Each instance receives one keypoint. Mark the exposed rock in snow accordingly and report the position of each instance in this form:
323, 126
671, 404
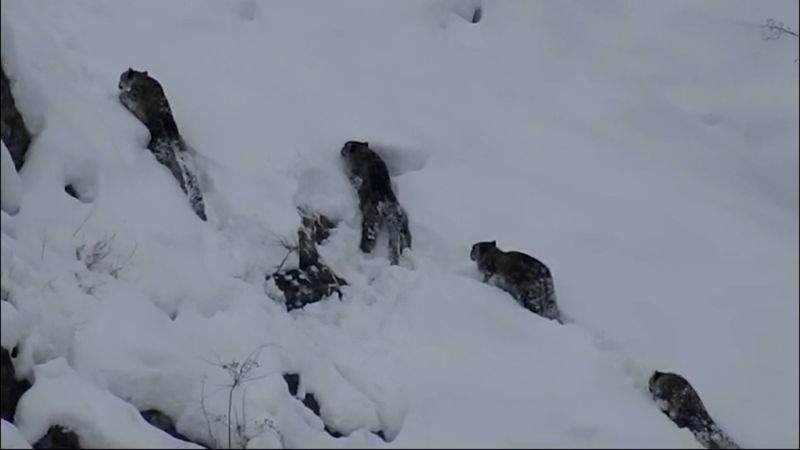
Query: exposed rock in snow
58, 437
11, 388
13, 131
312, 281
61, 398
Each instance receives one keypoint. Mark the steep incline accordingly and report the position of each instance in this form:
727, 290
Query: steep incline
647, 152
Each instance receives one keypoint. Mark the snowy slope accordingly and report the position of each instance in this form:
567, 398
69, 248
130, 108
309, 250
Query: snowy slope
646, 151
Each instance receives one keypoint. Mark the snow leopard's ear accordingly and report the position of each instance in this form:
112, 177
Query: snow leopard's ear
494, 243
145, 73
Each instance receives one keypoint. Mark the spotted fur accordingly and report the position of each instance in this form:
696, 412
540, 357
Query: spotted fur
378, 204
144, 97
679, 401
526, 278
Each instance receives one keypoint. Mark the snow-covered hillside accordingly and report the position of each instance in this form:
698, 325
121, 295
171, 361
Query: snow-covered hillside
646, 151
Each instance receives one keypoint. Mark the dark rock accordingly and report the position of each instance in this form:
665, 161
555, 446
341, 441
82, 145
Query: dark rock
307, 254
7, 382
333, 432
318, 226
293, 382
311, 403
58, 437
312, 281
302, 288
80, 191
70, 190
11, 389
477, 15
163, 422
13, 131
469, 10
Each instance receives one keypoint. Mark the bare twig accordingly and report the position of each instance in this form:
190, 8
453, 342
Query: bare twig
230, 403
91, 211
44, 244
290, 247
114, 272
243, 429
239, 373
205, 412
774, 30
94, 256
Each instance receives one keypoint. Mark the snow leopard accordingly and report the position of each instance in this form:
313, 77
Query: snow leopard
377, 201
681, 403
527, 279
144, 97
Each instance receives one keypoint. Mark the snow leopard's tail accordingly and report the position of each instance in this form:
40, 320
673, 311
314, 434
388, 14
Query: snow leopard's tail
550, 307
173, 154
396, 222
711, 436
192, 186
539, 296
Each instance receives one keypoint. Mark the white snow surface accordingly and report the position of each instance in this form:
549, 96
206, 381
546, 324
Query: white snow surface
10, 437
647, 152
10, 183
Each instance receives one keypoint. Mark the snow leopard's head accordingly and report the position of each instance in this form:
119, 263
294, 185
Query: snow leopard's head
129, 78
352, 149
482, 248
654, 384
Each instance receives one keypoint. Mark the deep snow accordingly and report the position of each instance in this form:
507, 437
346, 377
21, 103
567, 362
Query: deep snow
645, 151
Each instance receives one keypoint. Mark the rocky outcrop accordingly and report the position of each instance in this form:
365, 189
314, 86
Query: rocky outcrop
309, 400
58, 437
469, 10
11, 389
317, 225
13, 131
163, 422
292, 382
312, 281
